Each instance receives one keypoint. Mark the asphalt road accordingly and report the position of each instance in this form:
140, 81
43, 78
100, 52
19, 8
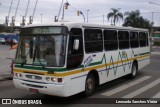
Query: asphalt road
145, 85
156, 49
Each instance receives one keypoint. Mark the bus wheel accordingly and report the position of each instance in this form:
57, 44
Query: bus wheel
89, 85
133, 71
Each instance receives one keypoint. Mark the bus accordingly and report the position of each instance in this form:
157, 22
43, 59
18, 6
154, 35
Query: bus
11, 37
2, 39
64, 59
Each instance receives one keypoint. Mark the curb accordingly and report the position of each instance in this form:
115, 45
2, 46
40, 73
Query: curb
5, 77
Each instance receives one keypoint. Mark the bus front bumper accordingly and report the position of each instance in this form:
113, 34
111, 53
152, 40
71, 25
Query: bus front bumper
45, 88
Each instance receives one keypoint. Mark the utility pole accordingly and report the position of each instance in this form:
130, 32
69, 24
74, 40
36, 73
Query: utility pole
153, 12
55, 19
23, 21
152, 18
6, 20
24, 17
103, 19
87, 15
152, 30
7, 17
32, 17
60, 10
82, 15
16, 9
14, 17
41, 17
13, 21
65, 6
27, 9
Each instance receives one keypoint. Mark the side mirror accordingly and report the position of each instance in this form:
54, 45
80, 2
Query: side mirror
76, 44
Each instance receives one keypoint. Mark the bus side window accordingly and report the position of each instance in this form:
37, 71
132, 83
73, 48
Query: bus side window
93, 40
123, 37
143, 39
75, 57
110, 40
134, 40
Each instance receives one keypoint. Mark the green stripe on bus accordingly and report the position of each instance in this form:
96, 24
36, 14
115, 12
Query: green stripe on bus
145, 53
40, 68
65, 69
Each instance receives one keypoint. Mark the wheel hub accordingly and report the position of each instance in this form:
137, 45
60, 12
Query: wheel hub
89, 84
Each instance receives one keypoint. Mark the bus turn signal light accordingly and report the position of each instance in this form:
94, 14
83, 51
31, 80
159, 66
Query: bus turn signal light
59, 79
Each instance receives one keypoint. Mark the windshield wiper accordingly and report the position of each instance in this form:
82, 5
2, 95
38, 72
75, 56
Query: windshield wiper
24, 61
43, 66
20, 61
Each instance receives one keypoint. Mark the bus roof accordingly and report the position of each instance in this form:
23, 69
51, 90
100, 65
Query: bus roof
85, 25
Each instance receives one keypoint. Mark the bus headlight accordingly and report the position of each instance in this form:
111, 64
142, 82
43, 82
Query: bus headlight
18, 75
47, 79
53, 79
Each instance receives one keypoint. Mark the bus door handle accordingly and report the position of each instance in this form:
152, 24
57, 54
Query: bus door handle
93, 55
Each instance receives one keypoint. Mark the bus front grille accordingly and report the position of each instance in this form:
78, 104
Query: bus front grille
34, 77
35, 86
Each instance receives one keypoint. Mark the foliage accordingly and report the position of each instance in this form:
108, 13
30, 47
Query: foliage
134, 19
156, 43
115, 15
6, 29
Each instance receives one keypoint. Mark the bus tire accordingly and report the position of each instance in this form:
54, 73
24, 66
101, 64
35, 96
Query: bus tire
133, 71
89, 85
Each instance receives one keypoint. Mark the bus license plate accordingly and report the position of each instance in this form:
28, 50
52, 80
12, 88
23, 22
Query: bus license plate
33, 90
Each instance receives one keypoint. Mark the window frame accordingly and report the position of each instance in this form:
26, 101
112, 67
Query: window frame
146, 39
115, 31
74, 54
132, 31
94, 41
123, 40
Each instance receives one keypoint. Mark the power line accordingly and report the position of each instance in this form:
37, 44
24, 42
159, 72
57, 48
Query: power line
150, 12
10, 8
16, 9
34, 9
59, 12
154, 3
27, 8
96, 16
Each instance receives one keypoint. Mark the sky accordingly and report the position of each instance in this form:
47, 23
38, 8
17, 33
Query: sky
98, 9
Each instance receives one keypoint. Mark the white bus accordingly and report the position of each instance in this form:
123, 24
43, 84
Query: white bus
64, 59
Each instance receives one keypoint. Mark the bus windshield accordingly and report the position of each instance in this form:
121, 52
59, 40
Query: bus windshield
42, 49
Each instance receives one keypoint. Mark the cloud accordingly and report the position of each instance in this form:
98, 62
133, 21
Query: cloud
50, 8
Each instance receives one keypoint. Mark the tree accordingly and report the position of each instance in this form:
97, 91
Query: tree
8, 29
115, 15
134, 19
